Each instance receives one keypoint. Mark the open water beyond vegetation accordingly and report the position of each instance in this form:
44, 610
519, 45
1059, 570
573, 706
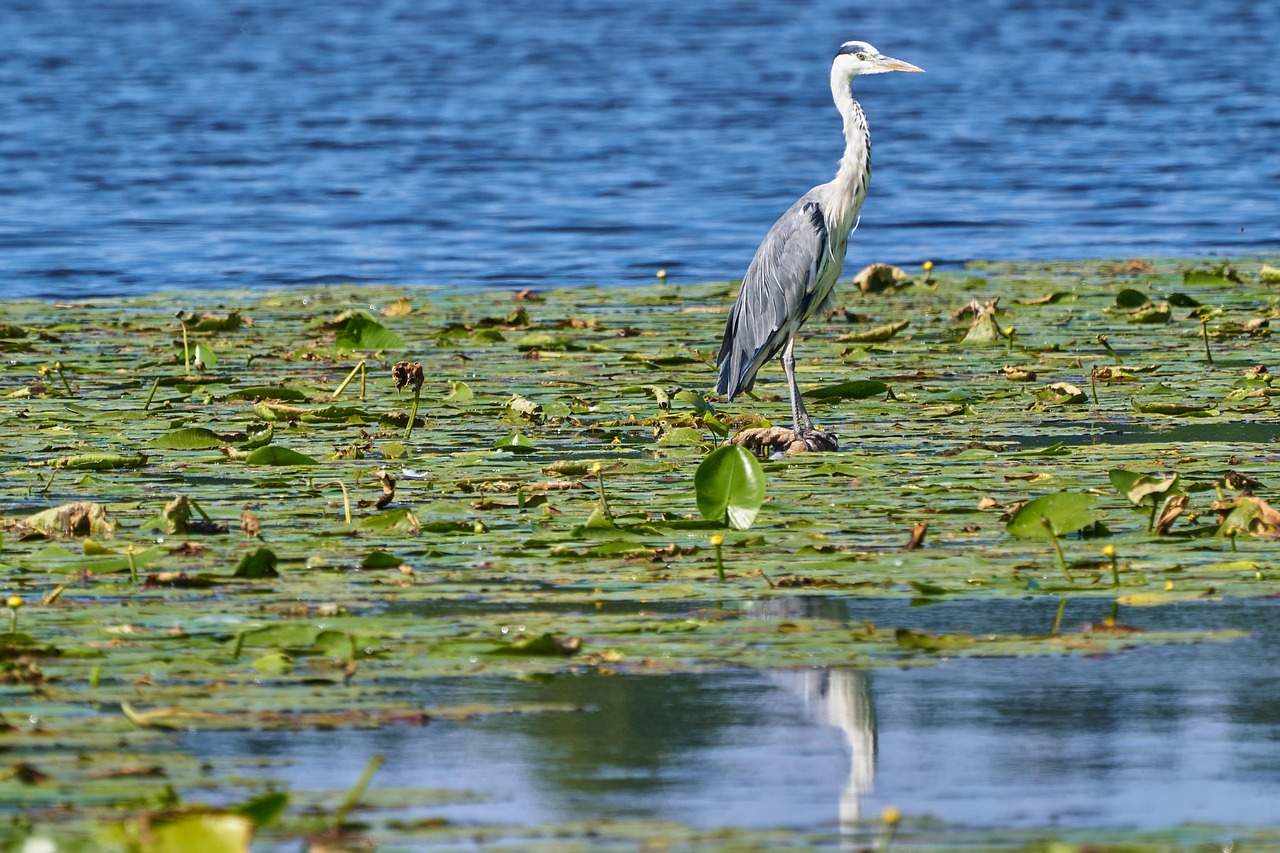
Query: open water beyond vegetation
184, 144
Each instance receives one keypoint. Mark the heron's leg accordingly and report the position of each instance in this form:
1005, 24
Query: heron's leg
799, 416
812, 439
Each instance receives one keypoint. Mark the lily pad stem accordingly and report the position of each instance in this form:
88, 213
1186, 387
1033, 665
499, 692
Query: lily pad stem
1204, 330
1102, 339
152, 395
133, 564
604, 499
1057, 617
346, 499
359, 368
1057, 549
354, 795
57, 365
413, 412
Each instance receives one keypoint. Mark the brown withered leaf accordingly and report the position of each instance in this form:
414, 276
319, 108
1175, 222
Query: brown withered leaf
407, 373
188, 549
154, 770
1172, 509
918, 531
1129, 268
576, 323
1242, 483
876, 277
802, 582
28, 774
388, 488
249, 524
847, 315
402, 307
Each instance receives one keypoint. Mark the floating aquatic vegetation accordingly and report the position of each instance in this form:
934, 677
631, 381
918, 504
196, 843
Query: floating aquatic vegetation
560, 502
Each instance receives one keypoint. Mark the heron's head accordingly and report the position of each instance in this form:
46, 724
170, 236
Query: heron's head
858, 57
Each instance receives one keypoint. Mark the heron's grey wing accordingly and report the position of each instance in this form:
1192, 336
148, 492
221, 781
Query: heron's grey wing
778, 292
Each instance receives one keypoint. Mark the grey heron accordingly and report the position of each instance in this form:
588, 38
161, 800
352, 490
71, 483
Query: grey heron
796, 267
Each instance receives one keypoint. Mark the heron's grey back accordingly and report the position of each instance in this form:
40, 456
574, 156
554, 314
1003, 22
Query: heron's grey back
788, 279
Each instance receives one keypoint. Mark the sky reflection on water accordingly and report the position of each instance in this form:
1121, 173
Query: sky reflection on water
1146, 739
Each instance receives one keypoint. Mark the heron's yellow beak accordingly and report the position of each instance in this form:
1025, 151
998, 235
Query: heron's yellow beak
888, 63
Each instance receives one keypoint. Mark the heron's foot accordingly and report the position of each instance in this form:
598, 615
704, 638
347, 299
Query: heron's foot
768, 441
813, 440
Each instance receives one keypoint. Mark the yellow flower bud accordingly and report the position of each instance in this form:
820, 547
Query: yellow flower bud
927, 266
891, 815
717, 540
1109, 551
13, 602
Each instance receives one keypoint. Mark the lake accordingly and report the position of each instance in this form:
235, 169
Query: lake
188, 145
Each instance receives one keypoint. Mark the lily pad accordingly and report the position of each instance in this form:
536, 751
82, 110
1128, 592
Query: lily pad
730, 486
1053, 515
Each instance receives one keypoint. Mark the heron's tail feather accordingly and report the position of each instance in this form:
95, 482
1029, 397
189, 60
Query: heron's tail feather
741, 356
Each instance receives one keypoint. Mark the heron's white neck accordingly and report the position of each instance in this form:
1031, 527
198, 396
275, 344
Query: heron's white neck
849, 187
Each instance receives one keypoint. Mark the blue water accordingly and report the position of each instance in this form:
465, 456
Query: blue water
1147, 739
159, 144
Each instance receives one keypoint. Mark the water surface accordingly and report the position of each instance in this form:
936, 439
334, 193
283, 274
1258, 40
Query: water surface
1148, 739
152, 145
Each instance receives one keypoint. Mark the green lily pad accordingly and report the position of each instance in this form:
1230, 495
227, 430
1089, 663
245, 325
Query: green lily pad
730, 487
1053, 515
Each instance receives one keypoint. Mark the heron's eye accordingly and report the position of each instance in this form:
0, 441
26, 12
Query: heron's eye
863, 57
